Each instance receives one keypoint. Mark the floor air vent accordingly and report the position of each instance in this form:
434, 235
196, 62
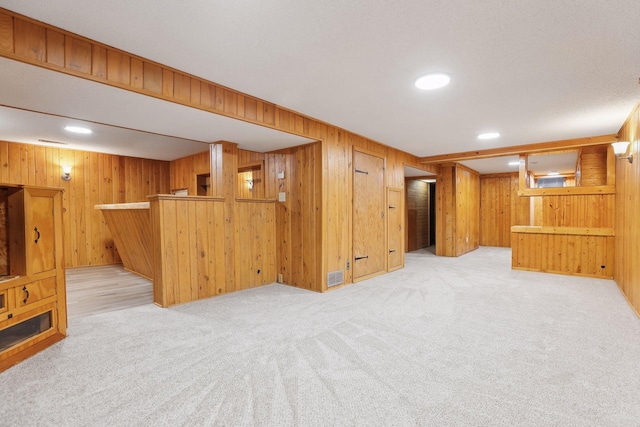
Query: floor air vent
335, 278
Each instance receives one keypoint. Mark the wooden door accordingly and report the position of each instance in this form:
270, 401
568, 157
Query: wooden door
395, 256
40, 234
369, 244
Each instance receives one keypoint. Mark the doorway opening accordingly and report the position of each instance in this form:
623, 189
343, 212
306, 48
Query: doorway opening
420, 215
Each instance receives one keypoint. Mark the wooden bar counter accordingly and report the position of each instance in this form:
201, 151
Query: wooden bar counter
578, 251
130, 226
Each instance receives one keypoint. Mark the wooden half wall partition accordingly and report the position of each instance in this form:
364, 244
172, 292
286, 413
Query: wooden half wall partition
190, 252
577, 251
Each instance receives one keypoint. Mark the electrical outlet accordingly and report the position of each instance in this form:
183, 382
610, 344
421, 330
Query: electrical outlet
282, 196
281, 175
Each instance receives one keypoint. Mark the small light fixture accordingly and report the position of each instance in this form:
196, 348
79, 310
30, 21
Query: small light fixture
620, 149
515, 163
250, 184
489, 135
66, 173
429, 180
432, 81
78, 129
553, 173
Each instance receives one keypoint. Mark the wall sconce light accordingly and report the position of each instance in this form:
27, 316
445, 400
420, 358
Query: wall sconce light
250, 184
66, 173
620, 149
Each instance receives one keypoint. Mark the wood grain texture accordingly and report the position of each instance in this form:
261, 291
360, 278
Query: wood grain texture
187, 242
131, 232
564, 253
36, 255
467, 210
4, 238
418, 206
256, 236
627, 226
184, 171
369, 225
501, 208
458, 210
395, 229
95, 179
593, 165
102, 289
190, 247
594, 211
298, 218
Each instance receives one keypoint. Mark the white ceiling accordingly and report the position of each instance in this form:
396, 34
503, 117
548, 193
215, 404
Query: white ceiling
413, 172
493, 164
534, 71
563, 163
169, 130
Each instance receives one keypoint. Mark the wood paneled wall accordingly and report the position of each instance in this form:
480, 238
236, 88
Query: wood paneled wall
95, 179
256, 242
417, 202
4, 245
467, 210
593, 165
298, 219
627, 211
189, 250
33, 42
574, 251
582, 210
184, 171
458, 210
501, 208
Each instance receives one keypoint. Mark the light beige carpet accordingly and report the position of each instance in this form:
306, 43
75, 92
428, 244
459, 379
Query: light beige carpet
445, 341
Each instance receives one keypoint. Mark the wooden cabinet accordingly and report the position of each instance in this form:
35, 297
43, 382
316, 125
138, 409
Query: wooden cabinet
33, 311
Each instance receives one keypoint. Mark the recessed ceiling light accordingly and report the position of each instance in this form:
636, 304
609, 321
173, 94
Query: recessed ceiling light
489, 135
77, 129
516, 163
432, 81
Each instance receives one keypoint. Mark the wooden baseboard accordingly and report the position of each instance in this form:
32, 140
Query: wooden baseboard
29, 351
627, 299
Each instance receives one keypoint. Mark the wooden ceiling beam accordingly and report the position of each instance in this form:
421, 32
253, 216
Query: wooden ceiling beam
521, 149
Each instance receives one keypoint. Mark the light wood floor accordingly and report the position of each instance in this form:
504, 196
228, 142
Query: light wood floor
92, 290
